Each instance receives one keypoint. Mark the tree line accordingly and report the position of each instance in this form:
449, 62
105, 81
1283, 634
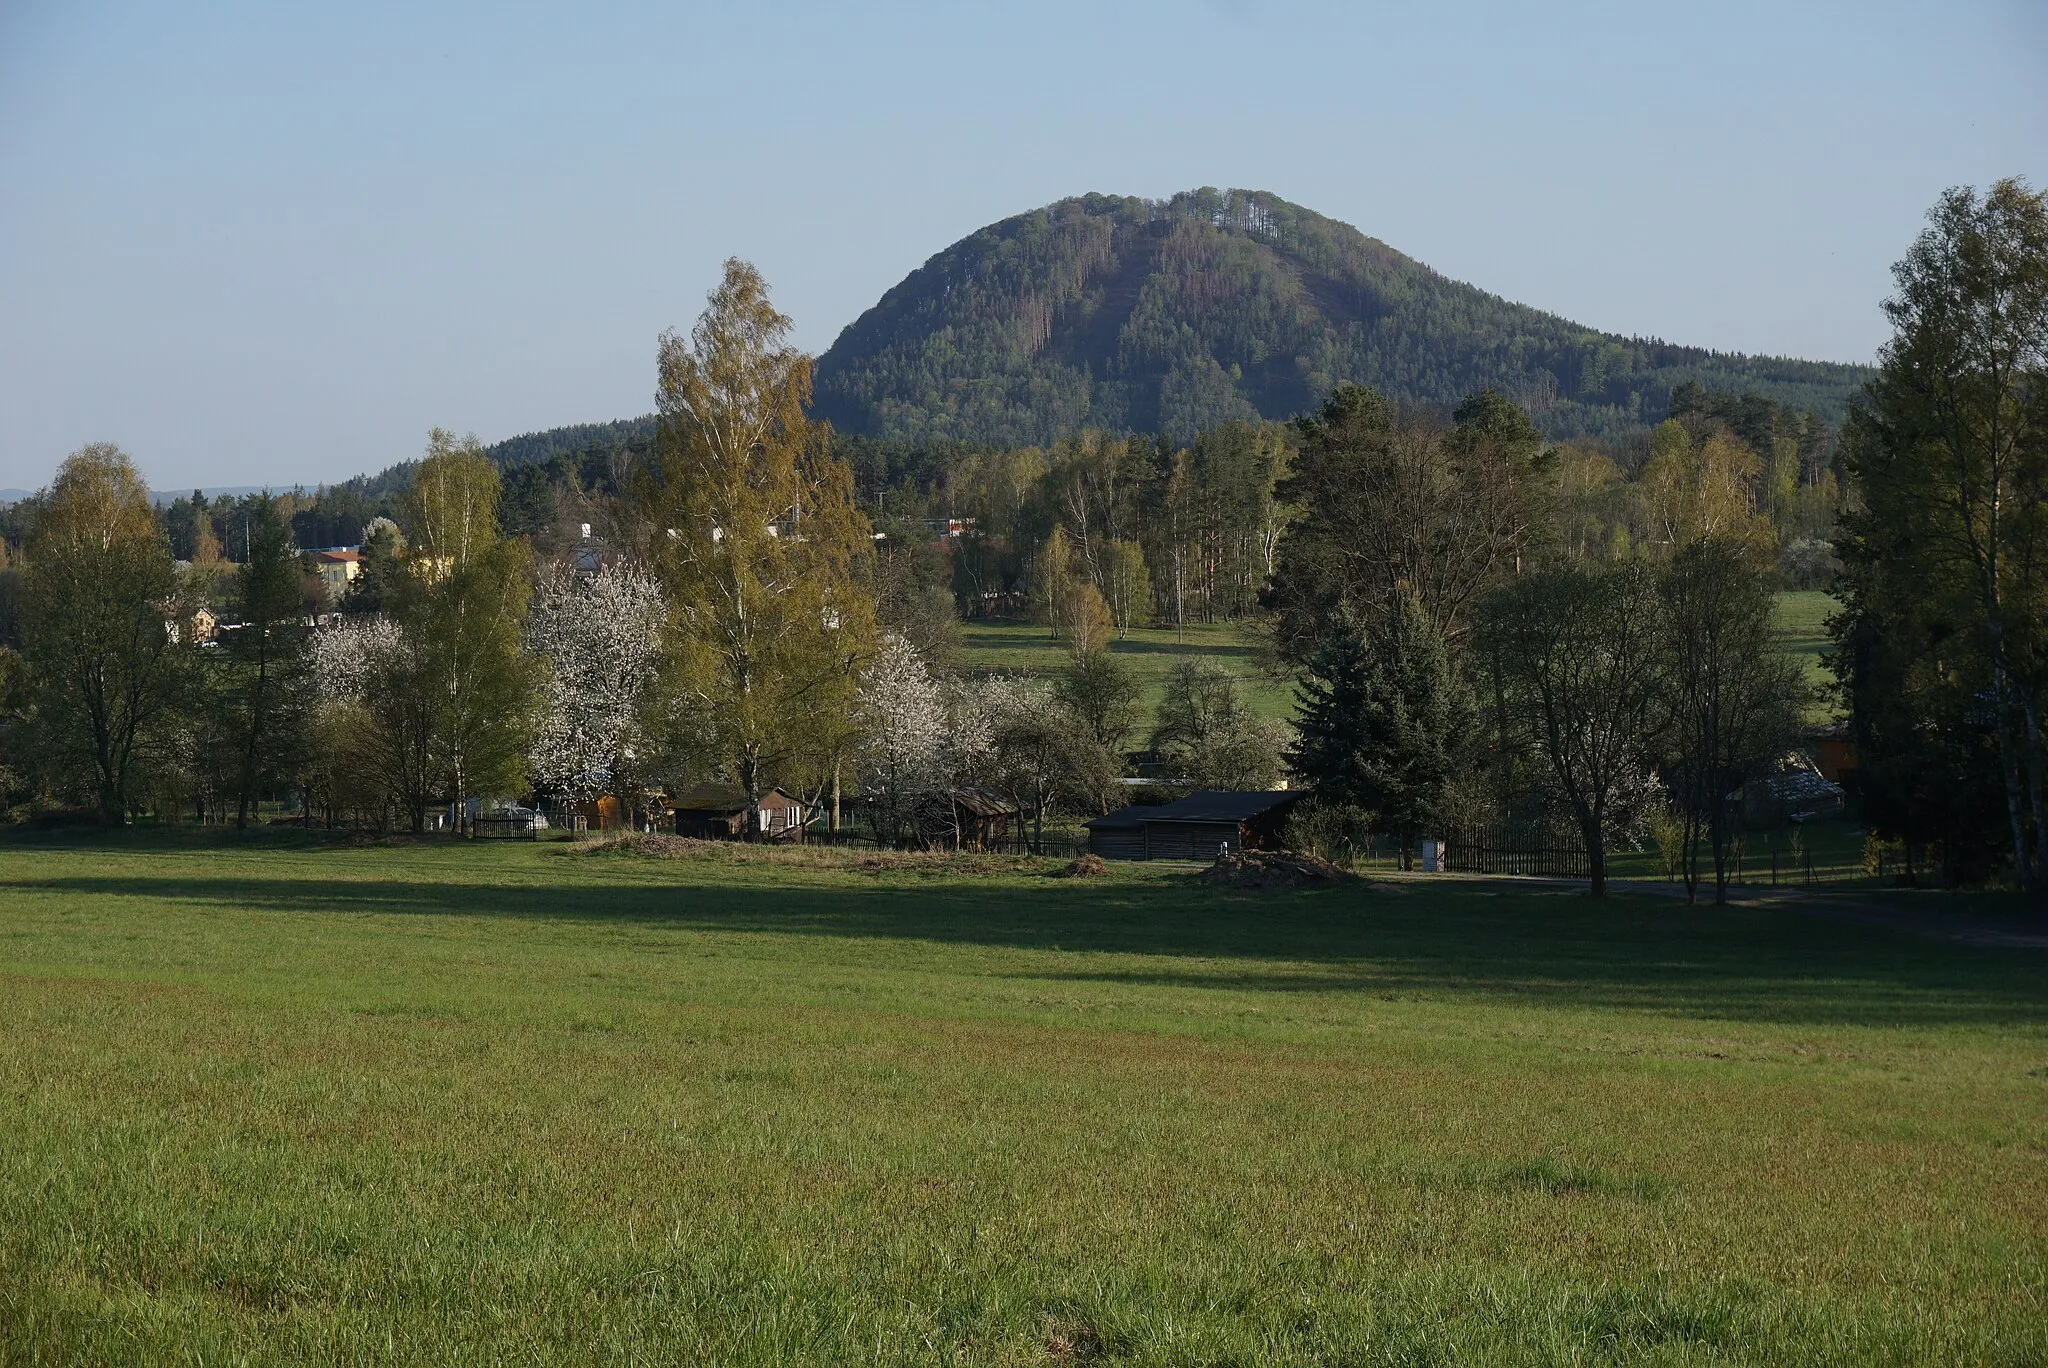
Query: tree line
1486, 626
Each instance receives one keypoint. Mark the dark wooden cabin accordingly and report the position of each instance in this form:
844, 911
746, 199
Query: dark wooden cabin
1195, 827
720, 812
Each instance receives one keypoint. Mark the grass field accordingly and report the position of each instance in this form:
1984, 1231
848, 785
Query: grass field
1016, 647
1151, 652
446, 1104
1802, 619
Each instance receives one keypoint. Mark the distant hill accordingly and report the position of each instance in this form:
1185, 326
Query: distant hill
1173, 316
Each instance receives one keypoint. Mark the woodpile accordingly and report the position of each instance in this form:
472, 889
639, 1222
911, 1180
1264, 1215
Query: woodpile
1272, 869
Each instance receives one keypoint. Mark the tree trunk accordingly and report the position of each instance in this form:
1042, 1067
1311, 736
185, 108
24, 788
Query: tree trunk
1590, 824
1718, 834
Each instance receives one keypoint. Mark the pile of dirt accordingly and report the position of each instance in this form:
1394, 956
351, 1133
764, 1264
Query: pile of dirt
1272, 869
1086, 867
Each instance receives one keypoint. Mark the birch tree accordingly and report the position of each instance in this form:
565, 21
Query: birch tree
753, 534
1946, 564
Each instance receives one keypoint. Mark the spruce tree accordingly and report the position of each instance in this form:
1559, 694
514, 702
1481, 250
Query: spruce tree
1382, 719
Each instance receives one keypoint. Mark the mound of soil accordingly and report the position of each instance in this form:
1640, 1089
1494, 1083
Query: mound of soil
1272, 869
1087, 866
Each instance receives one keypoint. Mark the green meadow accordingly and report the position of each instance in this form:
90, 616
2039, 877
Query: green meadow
280, 1102
1151, 652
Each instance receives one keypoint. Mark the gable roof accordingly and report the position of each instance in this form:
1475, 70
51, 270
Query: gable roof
721, 798
1215, 805
981, 802
1123, 819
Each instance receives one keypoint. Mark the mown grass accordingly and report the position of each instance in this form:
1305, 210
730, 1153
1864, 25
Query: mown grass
281, 1102
1150, 652
1801, 620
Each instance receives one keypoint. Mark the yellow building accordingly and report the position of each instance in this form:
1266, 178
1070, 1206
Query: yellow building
338, 569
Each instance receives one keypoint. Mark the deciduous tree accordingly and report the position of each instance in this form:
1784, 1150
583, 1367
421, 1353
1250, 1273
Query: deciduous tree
753, 533
100, 629
1946, 564
1577, 672
1733, 699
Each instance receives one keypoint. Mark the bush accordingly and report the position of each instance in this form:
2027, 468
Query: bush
1336, 832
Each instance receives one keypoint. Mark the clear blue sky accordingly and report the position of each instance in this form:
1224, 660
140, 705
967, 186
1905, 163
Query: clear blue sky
278, 242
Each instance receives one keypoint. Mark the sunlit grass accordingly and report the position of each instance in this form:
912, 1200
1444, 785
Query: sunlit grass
1150, 652
1801, 621
460, 1104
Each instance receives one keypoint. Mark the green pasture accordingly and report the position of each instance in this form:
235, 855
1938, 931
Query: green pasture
280, 1102
1151, 653
1019, 647
1802, 622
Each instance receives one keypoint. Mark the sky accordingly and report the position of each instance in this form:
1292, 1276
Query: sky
274, 244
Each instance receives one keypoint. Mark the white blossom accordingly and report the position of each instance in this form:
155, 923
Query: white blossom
344, 654
906, 735
601, 635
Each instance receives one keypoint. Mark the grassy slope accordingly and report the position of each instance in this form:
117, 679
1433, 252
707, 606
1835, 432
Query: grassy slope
1802, 618
1015, 647
1152, 652
477, 1105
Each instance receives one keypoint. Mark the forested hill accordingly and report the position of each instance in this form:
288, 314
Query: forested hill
1174, 316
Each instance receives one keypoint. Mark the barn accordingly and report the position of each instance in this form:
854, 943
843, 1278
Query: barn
1195, 827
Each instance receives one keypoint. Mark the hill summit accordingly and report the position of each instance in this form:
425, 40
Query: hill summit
1175, 315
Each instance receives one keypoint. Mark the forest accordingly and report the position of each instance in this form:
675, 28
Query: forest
1485, 623
1121, 314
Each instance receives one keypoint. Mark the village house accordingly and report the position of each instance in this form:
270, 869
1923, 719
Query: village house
338, 567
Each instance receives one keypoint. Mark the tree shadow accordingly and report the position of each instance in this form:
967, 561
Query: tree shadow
1554, 951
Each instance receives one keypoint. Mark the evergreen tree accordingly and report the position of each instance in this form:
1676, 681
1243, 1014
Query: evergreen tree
1382, 720
262, 679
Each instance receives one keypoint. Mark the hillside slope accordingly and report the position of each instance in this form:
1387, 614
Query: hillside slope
1144, 315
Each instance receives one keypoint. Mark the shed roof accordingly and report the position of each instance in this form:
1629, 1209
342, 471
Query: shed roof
1215, 805
1122, 819
982, 802
724, 798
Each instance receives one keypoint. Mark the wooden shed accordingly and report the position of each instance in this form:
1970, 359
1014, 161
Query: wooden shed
968, 819
721, 812
1119, 835
1195, 827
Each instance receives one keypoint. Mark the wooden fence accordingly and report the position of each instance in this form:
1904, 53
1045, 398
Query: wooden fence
1514, 850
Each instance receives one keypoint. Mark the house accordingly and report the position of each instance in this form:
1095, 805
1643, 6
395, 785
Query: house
968, 819
338, 567
205, 625
720, 812
1833, 751
1195, 827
